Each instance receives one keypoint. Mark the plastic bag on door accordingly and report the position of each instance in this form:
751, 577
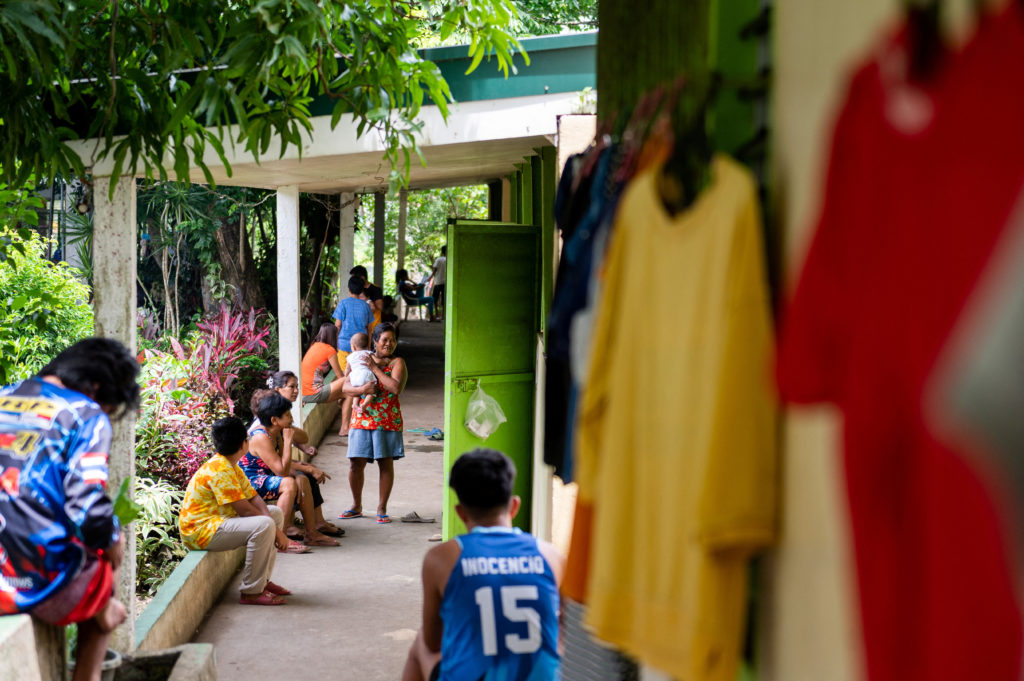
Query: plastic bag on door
483, 414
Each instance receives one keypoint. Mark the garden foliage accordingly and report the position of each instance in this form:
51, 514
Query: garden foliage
205, 377
44, 307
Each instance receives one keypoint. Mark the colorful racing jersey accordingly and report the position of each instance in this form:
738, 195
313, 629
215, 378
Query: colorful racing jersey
54, 444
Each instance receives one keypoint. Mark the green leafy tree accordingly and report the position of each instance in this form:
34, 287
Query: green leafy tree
425, 232
152, 79
44, 308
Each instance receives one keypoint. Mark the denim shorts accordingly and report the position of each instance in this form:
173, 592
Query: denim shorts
375, 444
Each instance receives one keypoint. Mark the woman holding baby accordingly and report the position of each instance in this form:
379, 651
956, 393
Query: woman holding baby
375, 431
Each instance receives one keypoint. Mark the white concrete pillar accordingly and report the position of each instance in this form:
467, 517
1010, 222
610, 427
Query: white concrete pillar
289, 297
349, 204
403, 214
114, 274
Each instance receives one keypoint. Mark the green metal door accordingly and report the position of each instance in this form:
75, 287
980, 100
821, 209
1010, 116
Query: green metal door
492, 321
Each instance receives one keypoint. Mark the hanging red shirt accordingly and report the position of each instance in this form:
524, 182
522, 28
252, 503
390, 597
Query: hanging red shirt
920, 184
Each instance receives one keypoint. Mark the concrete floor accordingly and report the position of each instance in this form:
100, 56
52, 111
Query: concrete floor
355, 608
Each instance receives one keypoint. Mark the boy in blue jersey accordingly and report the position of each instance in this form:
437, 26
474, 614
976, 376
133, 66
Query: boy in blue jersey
490, 597
60, 543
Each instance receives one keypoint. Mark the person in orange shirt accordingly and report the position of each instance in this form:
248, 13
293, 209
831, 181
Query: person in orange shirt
222, 511
322, 355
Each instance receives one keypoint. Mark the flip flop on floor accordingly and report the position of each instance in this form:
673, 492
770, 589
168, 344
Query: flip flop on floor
265, 598
350, 513
294, 547
383, 519
331, 530
295, 534
414, 517
277, 589
323, 541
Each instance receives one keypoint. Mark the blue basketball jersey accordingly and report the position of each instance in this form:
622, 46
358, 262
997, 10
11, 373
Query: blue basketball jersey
500, 610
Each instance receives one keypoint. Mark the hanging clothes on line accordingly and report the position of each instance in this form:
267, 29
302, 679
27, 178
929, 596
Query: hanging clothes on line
923, 176
677, 428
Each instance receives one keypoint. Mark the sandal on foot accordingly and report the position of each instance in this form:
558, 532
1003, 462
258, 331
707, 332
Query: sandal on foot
351, 513
265, 598
294, 533
331, 530
294, 547
322, 541
383, 519
277, 589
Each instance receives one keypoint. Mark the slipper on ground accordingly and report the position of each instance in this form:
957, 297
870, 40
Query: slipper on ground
265, 598
323, 541
277, 589
350, 514
383, 519
294, 547
414, 517
436, 537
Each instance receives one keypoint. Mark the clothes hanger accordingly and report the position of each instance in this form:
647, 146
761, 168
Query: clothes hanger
924, 33
687, 170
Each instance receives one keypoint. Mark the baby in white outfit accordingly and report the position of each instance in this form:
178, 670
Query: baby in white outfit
358, 373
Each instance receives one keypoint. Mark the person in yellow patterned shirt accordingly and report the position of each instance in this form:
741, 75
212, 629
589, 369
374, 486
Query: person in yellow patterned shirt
222, 511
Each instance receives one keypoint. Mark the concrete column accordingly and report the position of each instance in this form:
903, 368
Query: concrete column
346, 261
114, 274
506, 200
403, 214
289, 297
379, 206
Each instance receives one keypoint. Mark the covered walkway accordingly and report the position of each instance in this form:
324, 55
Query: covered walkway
355, 608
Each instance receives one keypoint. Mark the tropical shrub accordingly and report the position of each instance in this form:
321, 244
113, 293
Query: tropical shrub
158, 547
43, 307
185, 390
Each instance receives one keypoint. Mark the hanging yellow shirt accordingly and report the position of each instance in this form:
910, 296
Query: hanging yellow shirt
215, 486
677, 428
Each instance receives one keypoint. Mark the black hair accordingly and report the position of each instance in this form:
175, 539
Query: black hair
444, 250
228, 434
355, 285
101, 368
380, 329
401, 275
483, 479
328, 333
359, 271
254, 401
279, 379
270, 407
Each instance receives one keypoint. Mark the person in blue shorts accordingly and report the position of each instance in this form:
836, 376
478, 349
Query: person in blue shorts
61, 545
352, 315
490, 596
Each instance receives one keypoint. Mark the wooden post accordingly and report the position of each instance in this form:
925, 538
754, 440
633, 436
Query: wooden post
346, 260
378, 238
114, 273
403, 214
667, 39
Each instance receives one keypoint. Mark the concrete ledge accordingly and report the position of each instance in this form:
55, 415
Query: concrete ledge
190, 662
173, 616
317, 418
18, 649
